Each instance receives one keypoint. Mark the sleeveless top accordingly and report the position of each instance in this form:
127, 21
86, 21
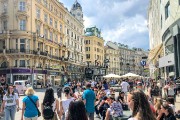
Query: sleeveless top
65, 103
54, 105
171, 90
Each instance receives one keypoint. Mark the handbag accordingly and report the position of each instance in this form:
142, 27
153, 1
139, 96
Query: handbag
39, 113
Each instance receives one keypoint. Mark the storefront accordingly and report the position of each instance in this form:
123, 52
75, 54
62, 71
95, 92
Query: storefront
39, 78
53, 77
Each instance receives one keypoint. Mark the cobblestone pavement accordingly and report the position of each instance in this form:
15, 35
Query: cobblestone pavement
40, 94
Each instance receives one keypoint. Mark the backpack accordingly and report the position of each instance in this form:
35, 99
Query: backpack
48, 112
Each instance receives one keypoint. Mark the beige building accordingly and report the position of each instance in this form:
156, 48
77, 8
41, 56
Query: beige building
74, 41
123, 59
33, 40
112, 54
166, 57
94, 47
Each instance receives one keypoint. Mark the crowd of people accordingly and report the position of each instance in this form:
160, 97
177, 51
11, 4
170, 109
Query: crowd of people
148, 100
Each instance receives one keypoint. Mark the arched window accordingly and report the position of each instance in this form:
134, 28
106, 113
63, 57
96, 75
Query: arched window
4, 65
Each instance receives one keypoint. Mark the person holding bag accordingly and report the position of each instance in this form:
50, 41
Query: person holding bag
50, 105
30, 105
10, 101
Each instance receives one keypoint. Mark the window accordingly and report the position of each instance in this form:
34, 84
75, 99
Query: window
22, 24
56, 52
22, 6
67, 31
167, 10
71, 34
87, 56
16, 44
22, 45
28, 62
56, 38
5, 25
38, 12
15, 63
60, 27
51, 36
45, 18
38, 29
55, 24
46, 33
50, 21
61, 39
179, 2
22, 63
5, 8
45, 3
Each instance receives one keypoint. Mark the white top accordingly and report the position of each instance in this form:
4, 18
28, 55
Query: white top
11, 99
65, 104
132, 119
54, 105
124, 86
171, 90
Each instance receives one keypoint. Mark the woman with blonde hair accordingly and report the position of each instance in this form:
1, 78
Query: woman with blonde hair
138, 103
30, 105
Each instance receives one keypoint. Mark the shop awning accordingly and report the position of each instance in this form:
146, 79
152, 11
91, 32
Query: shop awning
154, 52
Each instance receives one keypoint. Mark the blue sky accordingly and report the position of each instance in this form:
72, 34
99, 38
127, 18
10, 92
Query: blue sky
121, 21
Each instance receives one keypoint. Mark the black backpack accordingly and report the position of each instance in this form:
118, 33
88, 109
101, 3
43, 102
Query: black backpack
48, 112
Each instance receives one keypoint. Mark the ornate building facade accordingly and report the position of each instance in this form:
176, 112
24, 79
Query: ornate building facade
33, 41
123, 59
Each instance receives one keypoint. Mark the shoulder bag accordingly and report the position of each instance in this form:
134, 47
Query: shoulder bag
39, 113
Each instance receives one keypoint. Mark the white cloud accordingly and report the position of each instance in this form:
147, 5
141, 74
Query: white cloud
122, 21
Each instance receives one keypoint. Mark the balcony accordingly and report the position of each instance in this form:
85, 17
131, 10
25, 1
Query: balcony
22, 14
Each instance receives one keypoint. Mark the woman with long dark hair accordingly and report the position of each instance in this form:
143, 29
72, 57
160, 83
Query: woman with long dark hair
140, 106
10, 103
50, 105
76, 111
168, 112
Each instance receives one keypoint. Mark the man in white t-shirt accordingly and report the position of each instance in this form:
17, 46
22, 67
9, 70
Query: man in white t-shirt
125, 88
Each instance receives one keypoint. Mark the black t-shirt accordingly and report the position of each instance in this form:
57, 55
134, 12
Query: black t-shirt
170, 117
120, 98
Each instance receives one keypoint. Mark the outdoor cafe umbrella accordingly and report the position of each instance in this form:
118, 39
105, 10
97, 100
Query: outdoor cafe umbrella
130, 75
111, 76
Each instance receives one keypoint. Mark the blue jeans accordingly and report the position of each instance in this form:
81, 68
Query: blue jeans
10, 112
90, 116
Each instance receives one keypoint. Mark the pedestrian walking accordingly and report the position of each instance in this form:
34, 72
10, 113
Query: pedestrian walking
30, 105
10, 103
64, 103
89, 100
50, 105
77, 111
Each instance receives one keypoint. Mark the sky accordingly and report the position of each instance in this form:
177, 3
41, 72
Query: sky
121, 21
